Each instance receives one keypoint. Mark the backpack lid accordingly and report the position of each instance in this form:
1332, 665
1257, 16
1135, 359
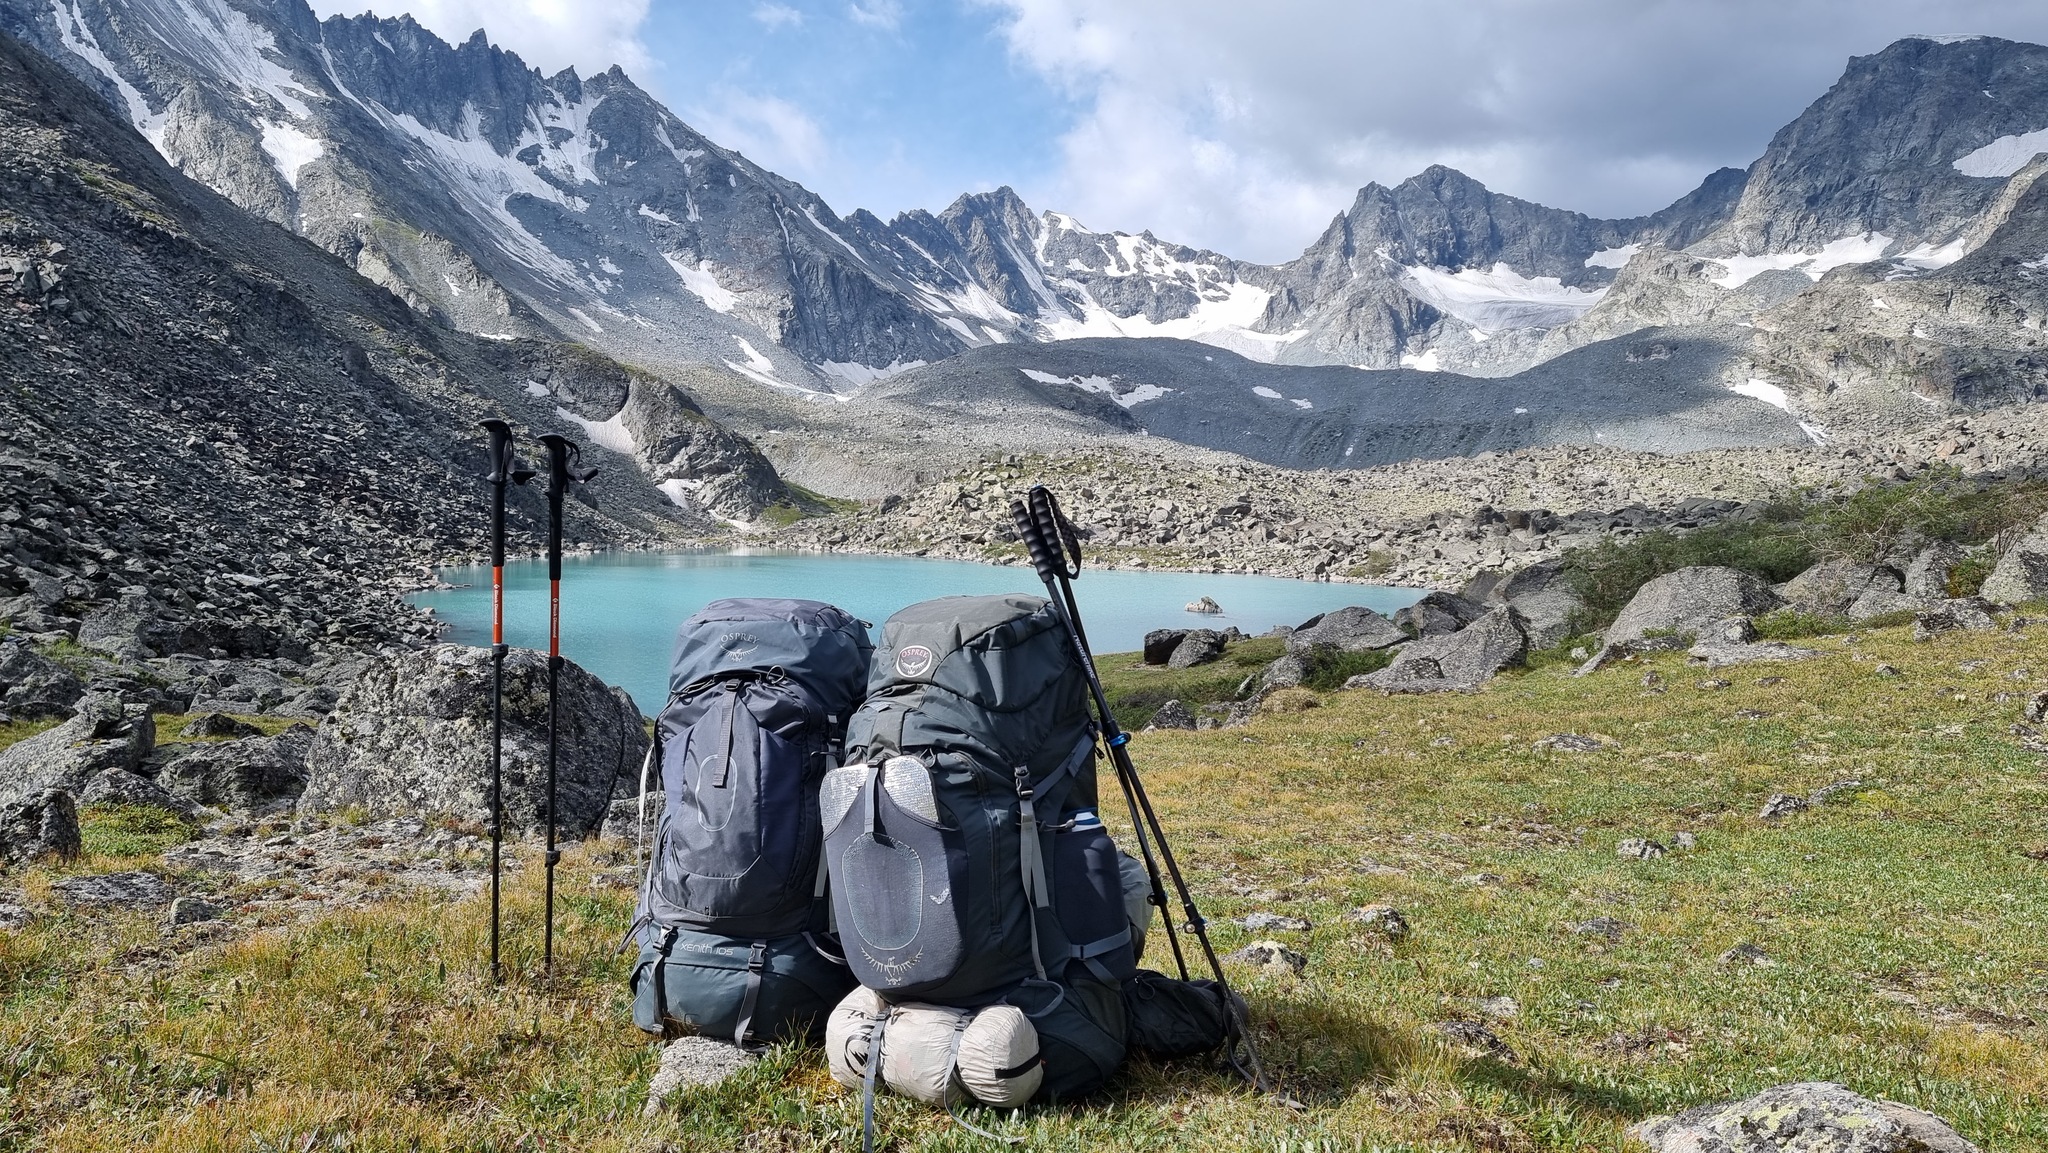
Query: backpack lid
819, 646
995, 650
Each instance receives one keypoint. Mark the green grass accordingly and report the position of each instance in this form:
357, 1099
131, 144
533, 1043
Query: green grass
170, 727
1907, 919
1136, 690
130, 830
805, 504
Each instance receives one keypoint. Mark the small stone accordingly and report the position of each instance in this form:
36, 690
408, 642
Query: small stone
1173, 715
1767, 682
1713, 684
1571, 743
1267, 922
14, 916
1272, 956
1475, 1036
692, 1063
1827, 792
1751, 714
1385, 920
1638, 849
1783, 805
1500, 1008
1746, 954
1611, 928
1889, 671
2037, 709
1685, 841
192, 910
1482, 880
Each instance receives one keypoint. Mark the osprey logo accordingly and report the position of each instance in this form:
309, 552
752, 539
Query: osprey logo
893, 971
738, 645
914, 661
939, 898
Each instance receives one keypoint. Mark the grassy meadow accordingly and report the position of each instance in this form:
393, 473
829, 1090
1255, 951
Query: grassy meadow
1904, 921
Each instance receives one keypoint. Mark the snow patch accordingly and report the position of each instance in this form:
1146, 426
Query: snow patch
1613, 257
1880, 304
72, 30
1760, 389
1859, 249
651, 214
1927, 257
612, 434
605, 262
703, 284
1814, 433
1427, 362
755, 360
1302, 403
1269, 394
1500, 299
536, 388
591, 324
859, 375
1224, 318
1128, 398
485, 182
2004, 156
289, 149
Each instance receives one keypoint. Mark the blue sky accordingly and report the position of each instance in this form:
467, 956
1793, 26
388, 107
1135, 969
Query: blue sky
1238, 125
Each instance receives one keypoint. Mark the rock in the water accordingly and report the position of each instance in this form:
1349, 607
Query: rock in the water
250, 775
121, 787
193, 910
219, 725
1463, 661
1272, 956
1542, 593
104, 734
1629, 650
1967, 615
1830, 587
1927, 577
122, 890
413, 736
1268, 922
693, 1063
1638, 849
1204, 605
1475, 1036
1160, 643
1811, 1117
1199, 647
1173, 715
2022, 573
33, 686
1385, 920
1438, 614
1351, 630
1782, 805
45, 826
1691, 599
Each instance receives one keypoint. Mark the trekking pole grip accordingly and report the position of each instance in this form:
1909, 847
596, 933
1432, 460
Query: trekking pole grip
1034, 542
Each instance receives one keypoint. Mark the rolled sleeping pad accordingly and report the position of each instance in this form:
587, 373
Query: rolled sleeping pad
995, 1055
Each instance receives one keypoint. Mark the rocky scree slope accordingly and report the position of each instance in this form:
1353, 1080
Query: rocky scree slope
213, 434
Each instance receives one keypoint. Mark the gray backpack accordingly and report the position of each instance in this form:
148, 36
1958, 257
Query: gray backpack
967, 862
732, 918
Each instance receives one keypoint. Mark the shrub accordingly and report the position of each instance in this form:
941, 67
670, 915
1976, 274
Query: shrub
1791, 624
1968, 577
1883, 520
1329, 667
1608, 575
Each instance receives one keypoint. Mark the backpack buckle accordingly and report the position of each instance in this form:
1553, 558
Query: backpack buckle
1023, 775
757, 957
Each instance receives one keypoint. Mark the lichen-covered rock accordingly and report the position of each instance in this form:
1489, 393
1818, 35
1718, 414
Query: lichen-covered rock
413, 737
1459, 662
2022, 573
1353, 630
1690, 600
1199, 647
103, 734
1967, 615
1173, 715
1830, 587
45, 826
121, 787
33, 686
248, 775
1438, 614
1620, 651
692, 1063
134, 890
1927, 577
1542, 593
1809, 1117
1160, 643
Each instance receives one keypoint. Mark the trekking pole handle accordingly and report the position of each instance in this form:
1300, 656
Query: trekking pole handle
1062, 542
1035, 543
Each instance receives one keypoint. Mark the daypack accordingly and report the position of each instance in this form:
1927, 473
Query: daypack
732, 918
961, 837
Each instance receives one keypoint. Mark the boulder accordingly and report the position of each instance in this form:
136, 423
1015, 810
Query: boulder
44, 826
1879, 602
251, 775
1723, 655
104, 734
1204, 605
1462, 661
413, 737
1438, 614
1830, 587
1542, 593
1173, 715
33, 686
1352, 630
115, 890
1968, 614
1199, 647
1927, 577
2022, 573
219, 725
1690, 600
1286, 673
1160, 643
121, 787
124, 628
1813, 1115
1629, 650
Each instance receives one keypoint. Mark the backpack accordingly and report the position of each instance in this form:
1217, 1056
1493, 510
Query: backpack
968, 867
732, 916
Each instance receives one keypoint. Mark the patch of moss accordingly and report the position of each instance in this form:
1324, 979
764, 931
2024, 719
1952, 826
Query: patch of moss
130, 830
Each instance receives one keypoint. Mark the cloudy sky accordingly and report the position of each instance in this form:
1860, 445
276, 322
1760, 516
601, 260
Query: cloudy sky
1237, 125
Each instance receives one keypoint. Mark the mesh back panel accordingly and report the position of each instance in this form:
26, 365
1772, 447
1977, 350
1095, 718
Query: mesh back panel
887, 905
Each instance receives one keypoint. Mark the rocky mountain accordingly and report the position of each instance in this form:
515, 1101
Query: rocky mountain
215, 436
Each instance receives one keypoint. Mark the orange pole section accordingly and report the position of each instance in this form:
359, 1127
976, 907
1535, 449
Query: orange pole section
497, 604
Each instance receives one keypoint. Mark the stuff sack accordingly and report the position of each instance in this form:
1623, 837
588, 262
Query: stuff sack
759, 695
781, 989
935, 1053
961, 838
1168, 1019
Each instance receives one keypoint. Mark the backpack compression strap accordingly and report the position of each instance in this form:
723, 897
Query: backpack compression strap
757, 959
960, 1024
1030, 854
867, 1091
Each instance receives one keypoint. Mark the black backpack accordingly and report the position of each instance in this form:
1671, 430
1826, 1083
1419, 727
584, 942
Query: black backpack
967, 862
732, 916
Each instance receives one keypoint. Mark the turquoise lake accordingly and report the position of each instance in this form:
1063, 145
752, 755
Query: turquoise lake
620, 610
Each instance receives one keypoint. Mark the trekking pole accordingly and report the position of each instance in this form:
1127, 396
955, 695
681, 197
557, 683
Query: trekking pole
565, 468
1055, 552
504, 468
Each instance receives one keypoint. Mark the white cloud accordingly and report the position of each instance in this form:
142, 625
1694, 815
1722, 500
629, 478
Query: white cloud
590, 35
1246, 127
775, 16
877, 13
769, 130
